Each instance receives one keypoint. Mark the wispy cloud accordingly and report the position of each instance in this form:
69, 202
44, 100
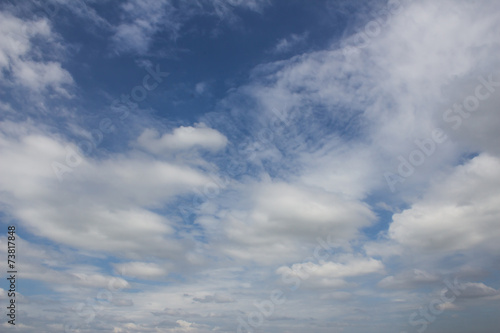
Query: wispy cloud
287, 44
20, 46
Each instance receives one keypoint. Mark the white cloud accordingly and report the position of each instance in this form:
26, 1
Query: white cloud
141, 20
477, 290
64, 275
143, 270
408, 280
441, 221
447, 306
182, 138
381, 100
270, 222
216, 298
186, 326
311, 180
353, 268
19, 56
287, 44
38, 76
330, 273
341, 167
100, 205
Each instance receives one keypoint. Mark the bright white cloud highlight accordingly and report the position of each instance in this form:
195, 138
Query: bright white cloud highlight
182, 138
459, 213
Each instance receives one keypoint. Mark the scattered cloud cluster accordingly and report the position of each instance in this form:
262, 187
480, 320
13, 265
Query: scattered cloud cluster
308, 215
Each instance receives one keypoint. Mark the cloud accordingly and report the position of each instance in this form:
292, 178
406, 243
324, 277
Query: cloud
122, 302
57, 271
141, 270
477, 290
83, 10
378, 102
447, 306
354, 267
441, 221
185, 326
331, 274
270, 221
287, 44
216, 298
338, 295
38, 76
182, 138
142, 20
409, 280
225, 9
20, 62
100, 205
200, 87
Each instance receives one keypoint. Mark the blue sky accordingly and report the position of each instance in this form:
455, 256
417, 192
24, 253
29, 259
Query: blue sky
251, 166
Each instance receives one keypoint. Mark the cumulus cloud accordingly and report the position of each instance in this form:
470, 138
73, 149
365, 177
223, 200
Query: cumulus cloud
58, 211
332, 274
273, 220
441, 221
182, 138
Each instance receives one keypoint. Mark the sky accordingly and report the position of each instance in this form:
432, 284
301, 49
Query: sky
250, 165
